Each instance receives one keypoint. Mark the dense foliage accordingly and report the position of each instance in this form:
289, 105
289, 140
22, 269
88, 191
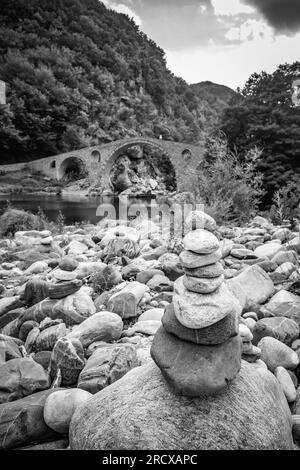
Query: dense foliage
230, 190
213, 99
266, 115
78, 74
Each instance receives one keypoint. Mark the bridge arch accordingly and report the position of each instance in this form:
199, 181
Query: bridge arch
122, 146
72, 167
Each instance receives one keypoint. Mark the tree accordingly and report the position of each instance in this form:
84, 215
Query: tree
265, 115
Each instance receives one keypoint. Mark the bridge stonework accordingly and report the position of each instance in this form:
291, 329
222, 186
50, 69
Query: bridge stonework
98, 160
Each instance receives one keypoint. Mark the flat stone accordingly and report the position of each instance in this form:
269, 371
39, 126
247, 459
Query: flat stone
275, 353
243, 253
285, 257
160, 283
201, 310
68, 263
202, 286
214, 334
208, 272
192, 260
196, 370
61, 275
201, 241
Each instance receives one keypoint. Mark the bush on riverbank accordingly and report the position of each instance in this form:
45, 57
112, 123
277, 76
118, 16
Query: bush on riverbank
13, 220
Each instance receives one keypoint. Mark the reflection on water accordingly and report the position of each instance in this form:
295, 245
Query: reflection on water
76, 208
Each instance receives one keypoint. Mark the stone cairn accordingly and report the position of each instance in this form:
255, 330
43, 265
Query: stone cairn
198, 347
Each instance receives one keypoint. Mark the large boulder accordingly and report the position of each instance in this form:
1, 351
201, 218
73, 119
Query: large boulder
140, 412
102, 326
21, 377
22, 421
195, 370
253, 286
106, 365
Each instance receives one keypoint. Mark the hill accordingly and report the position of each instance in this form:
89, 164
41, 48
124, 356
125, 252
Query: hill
213, 99
78, 74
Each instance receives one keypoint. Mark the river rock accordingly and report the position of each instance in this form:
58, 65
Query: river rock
68, 356
201, 310
251, 413
202, 286
9, 348
268, 250
72, 309
283, 304
192, 369
253, 284
160, 283
68, 263
152, 314
37, 268
207, 272
171, 265
102, 326
275, 354
106, 365
21, 377
192, 260
61, 275
286, 383
22, 421
147, 327
47, 338
125, 302
283, 329
285, 257
60, 407
217, 333
201, 241
85, 269
121, 231
199, 220
76, 247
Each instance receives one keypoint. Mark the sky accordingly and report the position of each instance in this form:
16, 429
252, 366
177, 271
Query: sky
223, 41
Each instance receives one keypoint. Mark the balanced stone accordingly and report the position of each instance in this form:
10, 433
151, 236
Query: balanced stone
201, 241
207, 272
202, 286
201, 310
195, 370
192, 260
215, 334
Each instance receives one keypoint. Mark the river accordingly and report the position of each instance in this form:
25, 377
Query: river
77, 208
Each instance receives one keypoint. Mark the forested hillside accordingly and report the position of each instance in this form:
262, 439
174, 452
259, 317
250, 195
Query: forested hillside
213, 99
79, 74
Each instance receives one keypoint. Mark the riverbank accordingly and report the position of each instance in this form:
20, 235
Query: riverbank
80, 307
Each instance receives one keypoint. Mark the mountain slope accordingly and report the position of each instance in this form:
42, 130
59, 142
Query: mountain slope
78, 74
213, 99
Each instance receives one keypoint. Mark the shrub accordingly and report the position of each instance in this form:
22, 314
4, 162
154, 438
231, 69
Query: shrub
286, 203
13, 220
230, 190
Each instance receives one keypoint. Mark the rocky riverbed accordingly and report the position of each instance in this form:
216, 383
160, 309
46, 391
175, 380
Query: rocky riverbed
78, 314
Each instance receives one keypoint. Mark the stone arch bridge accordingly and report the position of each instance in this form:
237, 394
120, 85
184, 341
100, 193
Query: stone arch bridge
98, 160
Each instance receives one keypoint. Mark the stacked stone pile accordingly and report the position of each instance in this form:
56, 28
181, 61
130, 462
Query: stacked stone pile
198, 348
